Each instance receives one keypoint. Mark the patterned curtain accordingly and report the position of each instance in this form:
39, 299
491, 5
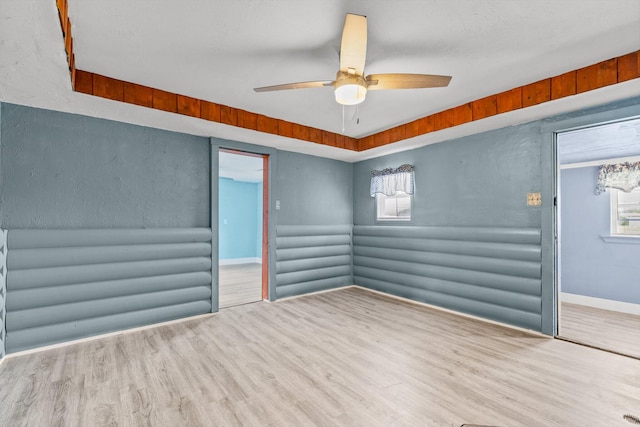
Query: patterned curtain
389, 180
622, 176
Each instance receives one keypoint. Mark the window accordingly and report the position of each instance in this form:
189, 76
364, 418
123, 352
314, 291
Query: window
393, 208
625, 212
393, 189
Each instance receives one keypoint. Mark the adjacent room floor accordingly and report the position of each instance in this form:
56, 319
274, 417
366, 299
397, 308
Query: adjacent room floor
240, 284
349, 357
611, 330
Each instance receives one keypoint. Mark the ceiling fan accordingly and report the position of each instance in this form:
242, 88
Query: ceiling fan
351, 85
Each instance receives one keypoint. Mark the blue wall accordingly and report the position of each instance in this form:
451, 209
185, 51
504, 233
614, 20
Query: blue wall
62, 170
479, 180
239, 216
469, 219
589, 265
313, 190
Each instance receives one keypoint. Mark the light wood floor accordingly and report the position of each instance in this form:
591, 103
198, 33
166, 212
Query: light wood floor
240, 284
601, 328
349, 357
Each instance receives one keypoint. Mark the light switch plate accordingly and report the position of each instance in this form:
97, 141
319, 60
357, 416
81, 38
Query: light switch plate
534, 199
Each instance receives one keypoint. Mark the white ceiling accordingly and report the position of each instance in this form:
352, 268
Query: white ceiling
221, 50
239, 167
610, 141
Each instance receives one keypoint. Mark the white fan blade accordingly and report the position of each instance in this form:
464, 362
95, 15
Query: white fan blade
405, 81
300, 85
353, 48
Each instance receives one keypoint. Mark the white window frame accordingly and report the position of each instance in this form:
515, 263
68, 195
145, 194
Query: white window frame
379, 204
614, 216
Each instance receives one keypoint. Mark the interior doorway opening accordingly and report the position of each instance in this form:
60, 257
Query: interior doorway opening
598, 248
242, 228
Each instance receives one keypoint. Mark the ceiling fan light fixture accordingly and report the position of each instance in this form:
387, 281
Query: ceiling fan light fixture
350, 86
350, 89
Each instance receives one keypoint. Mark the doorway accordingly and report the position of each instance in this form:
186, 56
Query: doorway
598, 224
242, 227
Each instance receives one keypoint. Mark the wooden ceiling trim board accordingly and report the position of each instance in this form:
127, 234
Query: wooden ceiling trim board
381, 138
228, 115
397, 133
72, 70
267, 124
485, 107
628, 67
564, 85
509, 100
365, 143
68, 40
137, 94
163, 100
462, 114
536, 93
106, 87
62, 14
426, 124
443, 119
328, 138
598, 75
315, 135
411, 129
300, 132
352, 144
439, 122
188, 106
83, 82
604, 73
247, 120
65, 26
285, 129
210, 111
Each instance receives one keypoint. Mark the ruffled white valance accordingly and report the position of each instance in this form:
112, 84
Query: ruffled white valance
622, 176
388, 181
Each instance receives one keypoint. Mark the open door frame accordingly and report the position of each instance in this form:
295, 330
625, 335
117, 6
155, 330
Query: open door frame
265, 226
265, 214
550, 189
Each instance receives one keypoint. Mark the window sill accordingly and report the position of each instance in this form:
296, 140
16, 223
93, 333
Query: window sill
632, 240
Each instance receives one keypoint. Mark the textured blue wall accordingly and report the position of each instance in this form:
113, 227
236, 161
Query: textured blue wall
313, 190
589, 265
479, 180
238, 219
64, 170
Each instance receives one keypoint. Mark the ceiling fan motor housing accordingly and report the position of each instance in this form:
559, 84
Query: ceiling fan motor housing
350, 89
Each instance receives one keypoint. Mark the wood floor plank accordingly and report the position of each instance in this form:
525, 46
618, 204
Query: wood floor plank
606, 329
347, 358
240, 284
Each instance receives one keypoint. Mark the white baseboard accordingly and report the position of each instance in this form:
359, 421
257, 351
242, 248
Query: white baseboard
235, 261
605, 304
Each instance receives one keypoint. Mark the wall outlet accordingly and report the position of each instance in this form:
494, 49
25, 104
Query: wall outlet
534, 199
277, 205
